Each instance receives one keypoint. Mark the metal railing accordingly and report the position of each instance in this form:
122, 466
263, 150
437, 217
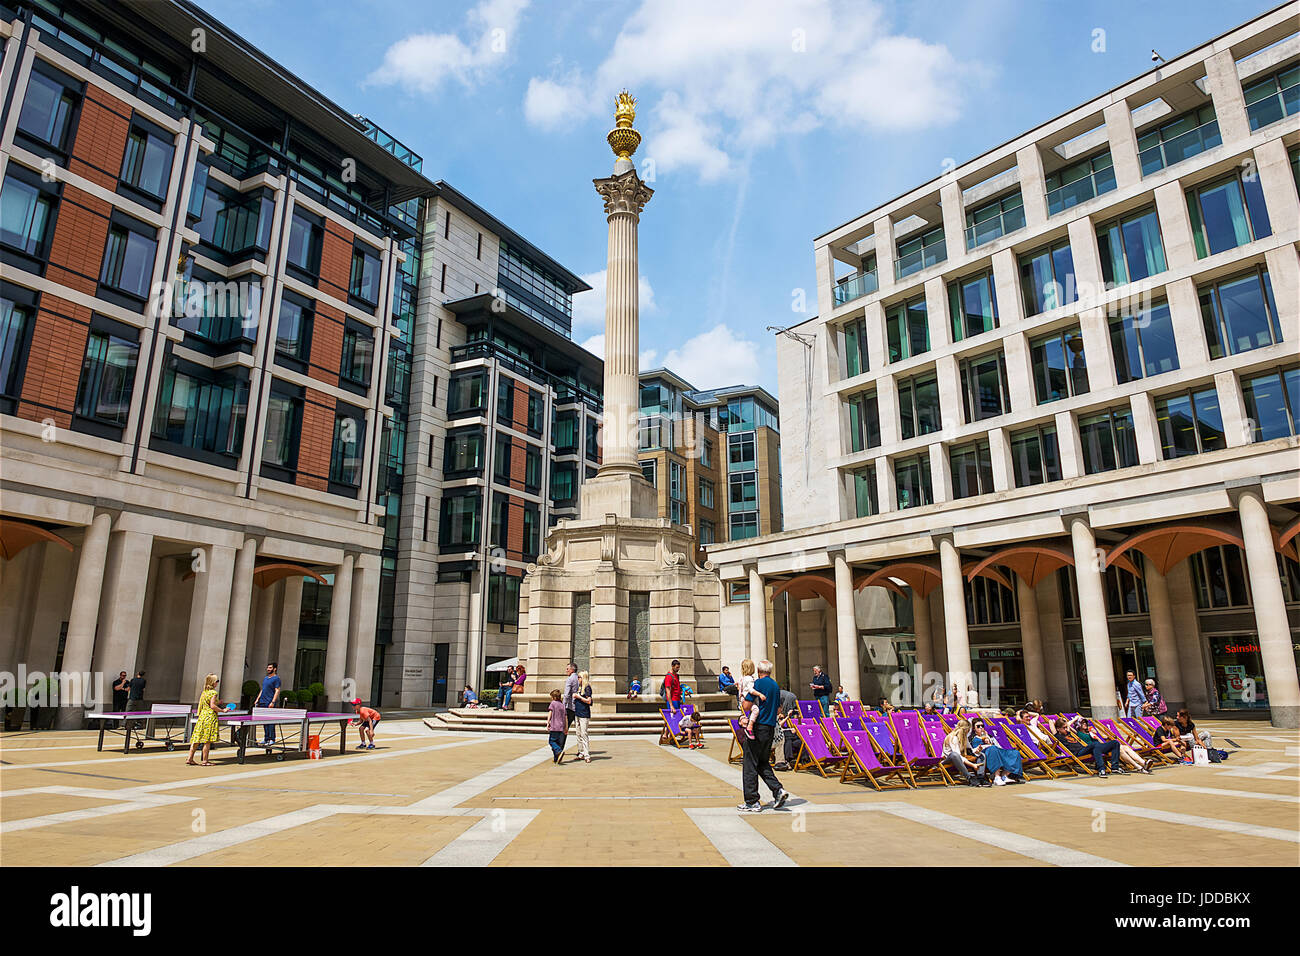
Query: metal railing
855, 286
927, 256
982, 233
1181, 147
1274, 107
1081, 190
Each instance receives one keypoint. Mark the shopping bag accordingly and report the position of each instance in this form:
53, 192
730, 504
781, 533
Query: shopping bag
1200, 757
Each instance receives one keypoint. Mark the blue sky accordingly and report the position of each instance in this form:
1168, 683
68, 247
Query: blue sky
766, 122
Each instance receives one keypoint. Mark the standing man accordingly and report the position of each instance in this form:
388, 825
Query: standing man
571, 685
673, 687
1136, 696
821, 688
758, 752
135, 695
121, 691
267, 697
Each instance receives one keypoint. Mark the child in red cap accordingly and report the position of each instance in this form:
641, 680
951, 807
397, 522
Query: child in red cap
367, 719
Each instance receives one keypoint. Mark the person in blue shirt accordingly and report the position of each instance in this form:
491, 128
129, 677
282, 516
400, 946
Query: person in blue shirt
1136, 696
634, 689
758, 751
727, 683
821, 688
267, 697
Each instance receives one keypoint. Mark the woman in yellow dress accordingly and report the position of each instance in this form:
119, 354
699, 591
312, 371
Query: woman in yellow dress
205, 727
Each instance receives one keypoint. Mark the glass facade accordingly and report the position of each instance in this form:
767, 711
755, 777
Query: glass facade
1079, 182
984, 389
1047, 278
907, 332
1060, 369
1239, 314
920, 252
1178, 139
912, 482
994, 219
1143, 343
1107, 440
1131, 248
1227, 213
1035, 457
973, 305
1190, 423
972, 469
918, 405
1273, 403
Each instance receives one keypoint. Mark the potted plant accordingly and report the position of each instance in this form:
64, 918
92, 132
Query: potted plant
247, 692
316, 696
15, 707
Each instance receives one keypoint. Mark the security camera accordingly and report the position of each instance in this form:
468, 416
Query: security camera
1156, 57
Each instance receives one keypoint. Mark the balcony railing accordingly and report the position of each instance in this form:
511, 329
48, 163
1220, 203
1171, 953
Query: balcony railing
982, 233
1274, 107
855, 286
930, 255
1166, 154
1081, 190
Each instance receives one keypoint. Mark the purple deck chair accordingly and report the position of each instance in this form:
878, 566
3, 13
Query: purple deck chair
1034, 757
736, 752
935, 734
920, 762
672, 732
831, 728
814, 751
810, 710
852, 708
850, 723
1140, 739
870, 715
863, 762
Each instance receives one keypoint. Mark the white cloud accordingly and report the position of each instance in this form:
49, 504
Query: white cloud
423, 62
715, 358
596, 346
716, 80
589, 307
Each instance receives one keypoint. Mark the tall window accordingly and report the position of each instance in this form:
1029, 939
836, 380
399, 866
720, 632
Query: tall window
988, 602
463, 452
1034, 456
348, 448
564, 432
26, 212
1079, 182
1131, 248
855, 348
283, 426
1227, 213
503, 599
499, 523
14, 322
128, 259
1059, 367
912, 481
864, 421
1273, 98
48, 107
918, 405
865, 503
147, 162
459, 523
1273, 402
994, 219
1190, 423
107, 374
532, 468
744, 491
1239, 314
536, 409
532, 531
501, 458
920, 252
1143, 343
706, 493
1178, 139
201, 410
564, 482
1107, 440
650, 471
293, 330
1047, 278
972, 469
467, 393
741, 451
984, 389
306, 234
1220, 577
677, 492
973, 305
358, 352
906, 330
364, 281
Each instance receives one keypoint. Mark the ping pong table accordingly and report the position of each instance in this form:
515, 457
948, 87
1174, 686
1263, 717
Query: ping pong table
297, 723
142, 726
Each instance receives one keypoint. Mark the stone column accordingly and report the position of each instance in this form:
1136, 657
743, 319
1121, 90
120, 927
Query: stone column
757, 616
1031, 641
79, 647
284, 628
924, 636
121, 607
336, 647
1270, 612
1092, 620
241, 597
1169, 675
846, 629
260, 651
365, 608
954, 617
205, 643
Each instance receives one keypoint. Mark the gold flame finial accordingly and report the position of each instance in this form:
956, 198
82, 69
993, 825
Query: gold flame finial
623, 139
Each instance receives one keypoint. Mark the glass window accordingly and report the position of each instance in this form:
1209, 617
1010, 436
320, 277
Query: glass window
1108, 441
48, 109
467, 393
743, 525
1079, 182
505, 401
25, 216
564, 432
1047, 278
1034, 456
1131, 248
463, 451
14, 322
107, 374
994, 219
293, 330
460, 520
973, 305
503, 599
1227, 213
906, 330
744, 491
920, 252
128, 261
1273, 98
1059, 367
501, 458
972, 469
1190, 423
147, 164
912, 482
499, 524
532, 531
984, 389
564, 482
306, 233
1143, 344
1220, 578
364, 282
1273, 403
649, 471
536, 408
234, 224
741, 451
358, 352
864, 492
864, 421
918, 405
1239, 314
532, 468
857, 284
855, 348
988, 602
1178, 139
706, 493
348, 448
201, 409
283, 425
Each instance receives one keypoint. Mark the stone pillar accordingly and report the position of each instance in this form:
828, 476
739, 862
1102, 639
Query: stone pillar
924, 636
1169, 676
284, 628
336, 647
1092, 620
79, 647
121, 606
846, 629
1031, 641
365, 608
205, 643
757, 616
1275, 648
954, 616
260, 650
233, 667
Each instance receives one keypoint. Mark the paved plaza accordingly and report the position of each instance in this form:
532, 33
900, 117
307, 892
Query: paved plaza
427, 797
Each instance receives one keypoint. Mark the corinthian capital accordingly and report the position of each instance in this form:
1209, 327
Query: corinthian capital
623, 193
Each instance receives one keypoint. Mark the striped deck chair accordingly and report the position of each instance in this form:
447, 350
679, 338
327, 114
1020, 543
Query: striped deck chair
864, 761
736, 752
911, 745
1057, 749
1140, 739
852, 708
1035, 757
672, 732
810, 710
814, 751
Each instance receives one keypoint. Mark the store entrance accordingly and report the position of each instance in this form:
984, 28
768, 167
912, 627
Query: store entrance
1127, 654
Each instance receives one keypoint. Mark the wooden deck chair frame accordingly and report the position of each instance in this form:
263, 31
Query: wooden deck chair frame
945, 779
812, 762
1141, 744
736, 744
666, 735
855, 770
1030, 761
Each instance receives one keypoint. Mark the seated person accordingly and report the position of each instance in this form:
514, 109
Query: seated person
1085, 743
790, 740
634, 689
1167, 740
727, 683
692, 729
1005, 765
957, 756
840, 696
929, 708
469, 697
887, 708
1187, 730
1127, 754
